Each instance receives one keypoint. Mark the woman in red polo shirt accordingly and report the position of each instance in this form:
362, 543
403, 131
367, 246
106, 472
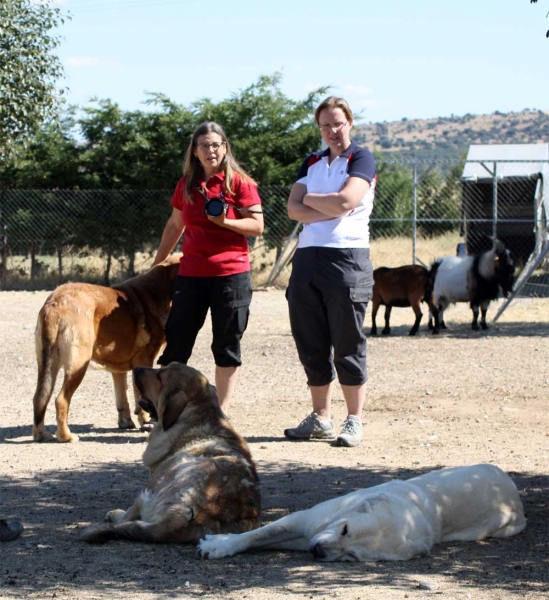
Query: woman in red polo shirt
214, 272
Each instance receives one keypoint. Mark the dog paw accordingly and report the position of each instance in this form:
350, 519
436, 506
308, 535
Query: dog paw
215, 546
114, 516
67, 438
42, 435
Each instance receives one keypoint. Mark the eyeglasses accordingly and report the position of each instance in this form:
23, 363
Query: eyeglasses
215, 146
335, 128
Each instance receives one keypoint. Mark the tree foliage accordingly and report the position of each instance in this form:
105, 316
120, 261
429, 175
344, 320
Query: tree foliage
109, 150
29, 69
270, 134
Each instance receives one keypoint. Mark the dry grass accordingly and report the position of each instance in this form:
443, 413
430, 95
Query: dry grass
385, 252
398, 251
88, 268
388, 252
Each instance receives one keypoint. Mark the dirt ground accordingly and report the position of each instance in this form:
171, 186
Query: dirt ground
457, 399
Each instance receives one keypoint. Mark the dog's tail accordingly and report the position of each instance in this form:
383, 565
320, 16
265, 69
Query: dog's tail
137, 531
47, 360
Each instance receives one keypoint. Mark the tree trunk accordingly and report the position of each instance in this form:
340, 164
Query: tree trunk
131, 265
4, 242
5, 253
34, 263
106, 278
60, 263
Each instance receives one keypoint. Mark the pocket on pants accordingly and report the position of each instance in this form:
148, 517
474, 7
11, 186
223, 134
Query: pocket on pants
360, 294
237, 292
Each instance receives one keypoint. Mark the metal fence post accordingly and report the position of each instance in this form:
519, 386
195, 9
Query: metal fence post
414, 216
495, 201
3, 240
409, 202
282, 259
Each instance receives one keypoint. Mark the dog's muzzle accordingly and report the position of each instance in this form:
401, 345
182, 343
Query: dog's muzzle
318, 551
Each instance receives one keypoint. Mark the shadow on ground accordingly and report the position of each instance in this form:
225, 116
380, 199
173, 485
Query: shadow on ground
54, 506
463, 330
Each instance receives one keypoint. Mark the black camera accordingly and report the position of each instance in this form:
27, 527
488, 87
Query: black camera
215, 207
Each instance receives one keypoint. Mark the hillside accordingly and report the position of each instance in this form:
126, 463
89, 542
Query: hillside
450, 137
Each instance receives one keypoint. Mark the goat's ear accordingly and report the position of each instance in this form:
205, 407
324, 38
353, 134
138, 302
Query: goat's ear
174, 403
499, 246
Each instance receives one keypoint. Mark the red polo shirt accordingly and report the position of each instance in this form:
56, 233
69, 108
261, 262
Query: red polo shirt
208, 249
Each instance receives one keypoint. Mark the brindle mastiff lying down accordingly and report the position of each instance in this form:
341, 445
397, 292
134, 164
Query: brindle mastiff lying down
202, 476
119, 328
392, 521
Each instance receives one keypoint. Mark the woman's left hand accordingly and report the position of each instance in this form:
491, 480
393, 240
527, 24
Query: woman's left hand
220, 219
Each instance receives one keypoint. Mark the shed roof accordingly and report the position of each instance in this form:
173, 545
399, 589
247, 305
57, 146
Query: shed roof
488, 153
536, 155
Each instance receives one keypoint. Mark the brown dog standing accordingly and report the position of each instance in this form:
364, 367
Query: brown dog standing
202, 476
118, 327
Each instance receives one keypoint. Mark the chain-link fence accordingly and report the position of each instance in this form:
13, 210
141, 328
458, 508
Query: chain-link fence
422, 210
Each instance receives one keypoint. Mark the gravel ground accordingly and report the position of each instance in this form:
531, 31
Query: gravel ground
460, 398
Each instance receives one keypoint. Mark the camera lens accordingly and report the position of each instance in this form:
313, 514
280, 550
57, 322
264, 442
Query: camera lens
214, 207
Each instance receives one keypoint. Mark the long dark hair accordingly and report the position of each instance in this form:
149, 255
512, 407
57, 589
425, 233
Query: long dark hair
193, 170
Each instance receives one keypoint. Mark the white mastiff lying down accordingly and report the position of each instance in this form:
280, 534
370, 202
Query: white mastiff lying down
392, 521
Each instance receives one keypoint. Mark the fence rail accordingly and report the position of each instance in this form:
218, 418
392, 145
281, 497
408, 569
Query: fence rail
422, 210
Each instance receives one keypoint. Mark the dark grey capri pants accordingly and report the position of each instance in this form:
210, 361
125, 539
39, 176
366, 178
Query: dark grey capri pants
327, 295
229, 300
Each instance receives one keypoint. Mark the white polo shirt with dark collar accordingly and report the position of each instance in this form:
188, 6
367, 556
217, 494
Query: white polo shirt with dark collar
352, 229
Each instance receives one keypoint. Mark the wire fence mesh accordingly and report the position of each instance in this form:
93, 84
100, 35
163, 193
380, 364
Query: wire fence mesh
422, 210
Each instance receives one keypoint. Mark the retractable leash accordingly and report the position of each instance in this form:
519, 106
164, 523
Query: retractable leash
216, 206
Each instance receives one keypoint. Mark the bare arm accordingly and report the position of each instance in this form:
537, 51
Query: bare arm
170, 236
250, 224
339, 203
297, 210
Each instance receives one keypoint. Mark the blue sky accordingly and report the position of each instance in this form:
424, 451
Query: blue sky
390, 58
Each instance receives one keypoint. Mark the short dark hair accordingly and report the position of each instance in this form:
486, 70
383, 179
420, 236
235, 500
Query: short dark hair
334, 102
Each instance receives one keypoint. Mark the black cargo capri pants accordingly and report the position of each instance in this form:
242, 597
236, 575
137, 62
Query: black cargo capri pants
228, 299
327, 295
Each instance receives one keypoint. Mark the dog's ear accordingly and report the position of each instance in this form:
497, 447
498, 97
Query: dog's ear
212, 391
369, 504
174, 403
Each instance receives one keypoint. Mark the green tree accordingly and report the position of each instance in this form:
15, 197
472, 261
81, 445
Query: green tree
393, 200
29, 69
50, 160
112, 152
439, 201
28, 72
133, 150
270, 133
130, 151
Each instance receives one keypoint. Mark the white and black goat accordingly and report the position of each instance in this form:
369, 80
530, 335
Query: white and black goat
473, 279
408, 285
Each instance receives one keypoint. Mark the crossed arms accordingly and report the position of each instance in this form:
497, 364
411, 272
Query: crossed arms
312, 208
